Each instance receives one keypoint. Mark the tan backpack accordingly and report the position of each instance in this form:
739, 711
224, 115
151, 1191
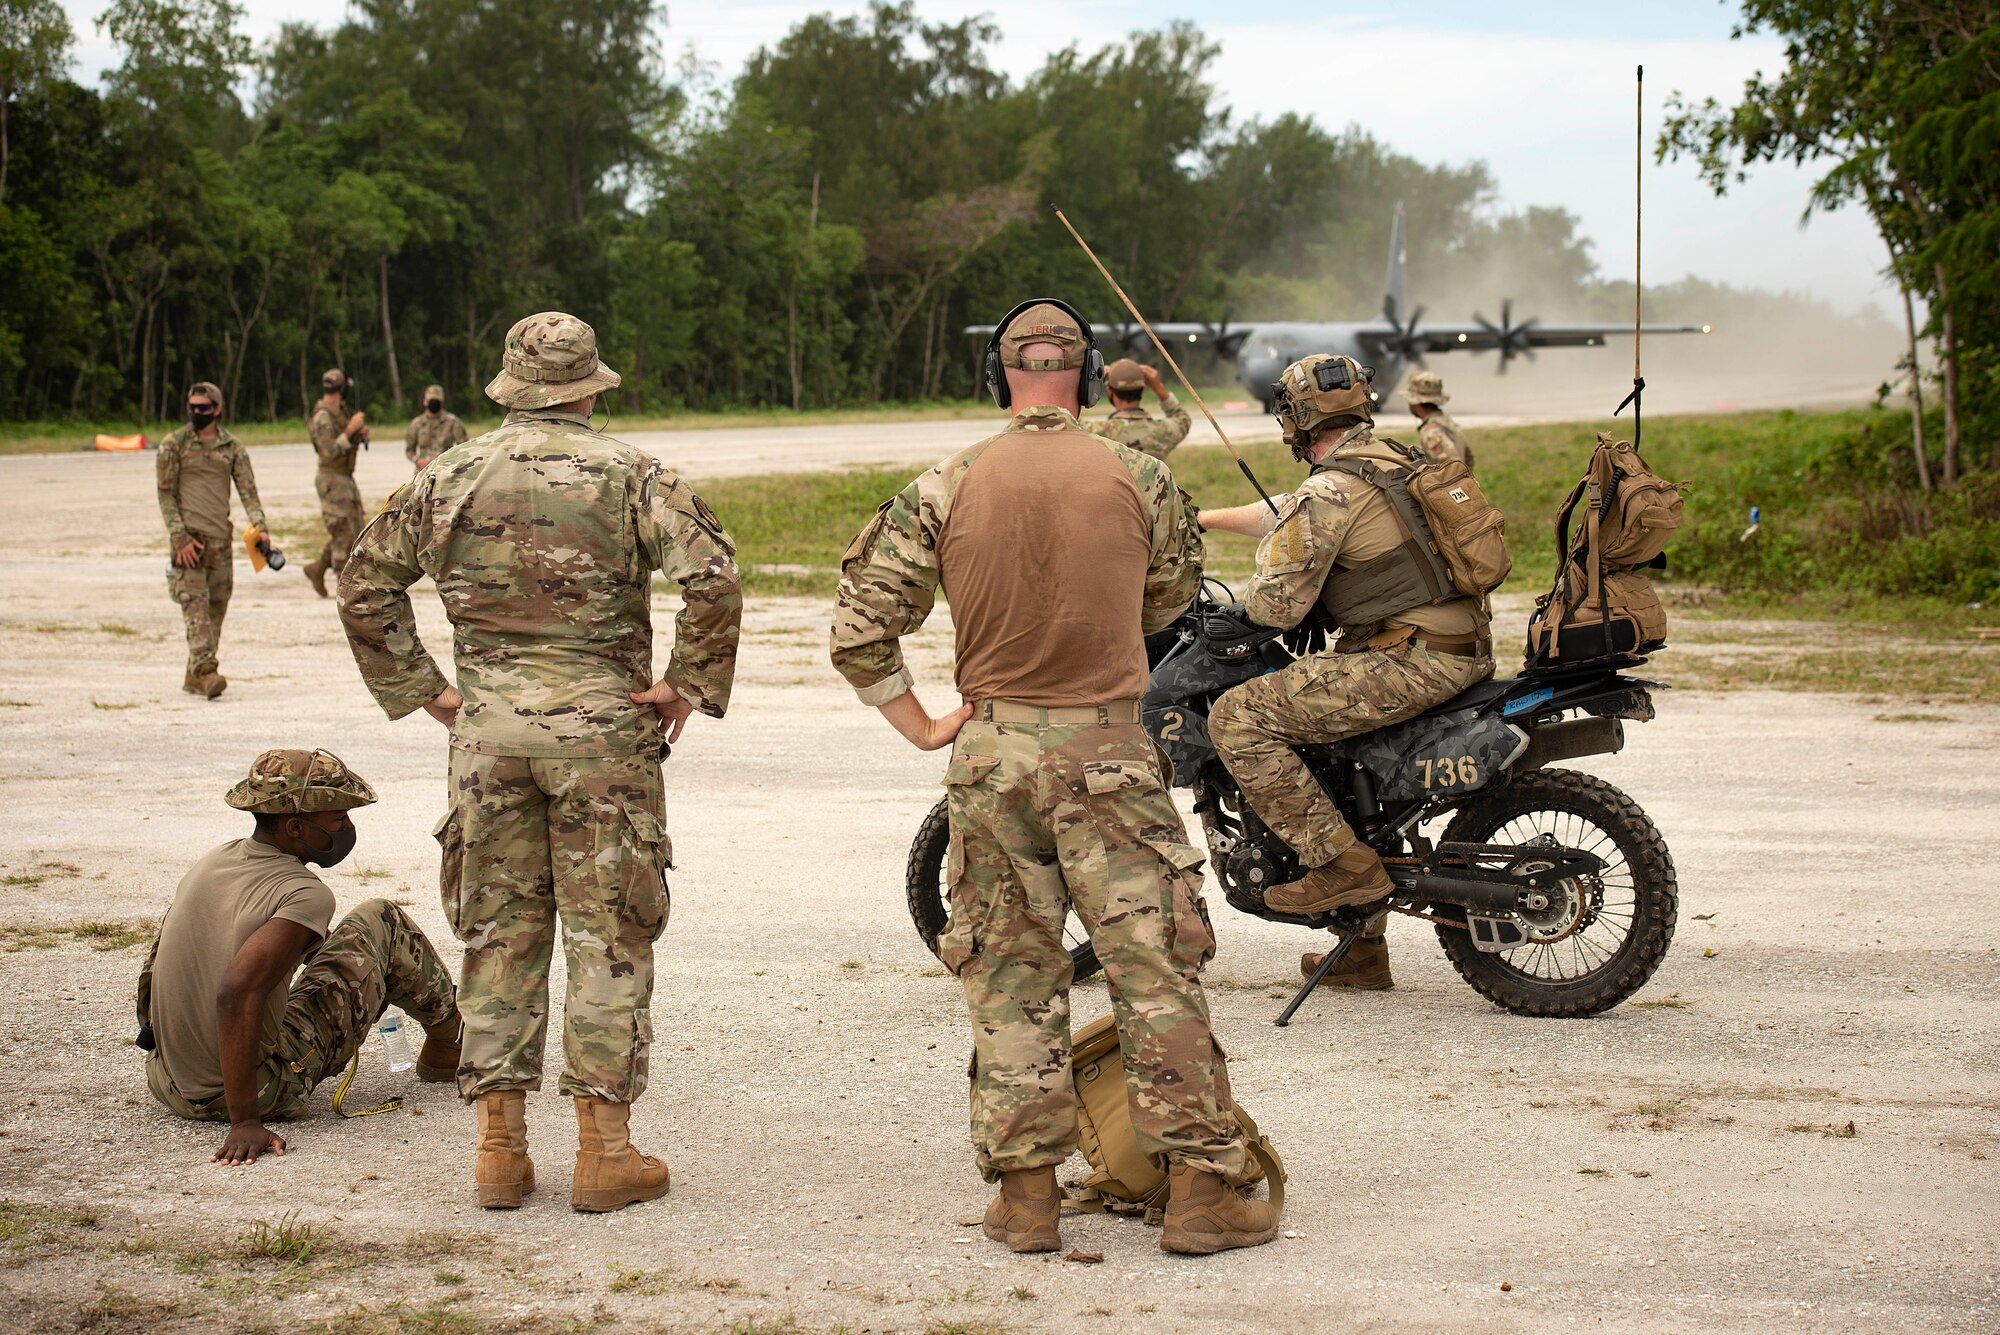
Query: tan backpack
1452, 532
1122, 1176
1603, 607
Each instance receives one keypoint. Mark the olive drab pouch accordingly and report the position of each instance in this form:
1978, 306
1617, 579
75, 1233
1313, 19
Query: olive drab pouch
1122, 1177
1603, 607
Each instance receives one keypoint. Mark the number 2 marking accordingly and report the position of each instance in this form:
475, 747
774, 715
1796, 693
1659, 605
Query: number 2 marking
1171, 724
1449, 772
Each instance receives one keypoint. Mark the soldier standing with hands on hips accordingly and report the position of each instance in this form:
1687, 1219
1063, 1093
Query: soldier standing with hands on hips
1059, 551
336, 437
542, 538
196, 466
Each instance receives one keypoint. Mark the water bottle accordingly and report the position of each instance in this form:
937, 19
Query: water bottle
394, 1046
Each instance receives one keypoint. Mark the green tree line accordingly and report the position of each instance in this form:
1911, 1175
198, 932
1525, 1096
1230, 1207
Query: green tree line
813, 232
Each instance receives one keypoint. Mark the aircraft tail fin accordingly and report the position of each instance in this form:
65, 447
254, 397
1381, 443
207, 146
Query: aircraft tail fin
1393, 302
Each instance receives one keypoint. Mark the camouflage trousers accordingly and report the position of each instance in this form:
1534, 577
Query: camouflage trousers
1320, 698
203, 590
531, 841
1049, 818
373, 959
340, 511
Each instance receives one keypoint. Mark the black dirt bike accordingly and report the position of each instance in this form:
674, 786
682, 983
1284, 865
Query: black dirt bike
1553, 894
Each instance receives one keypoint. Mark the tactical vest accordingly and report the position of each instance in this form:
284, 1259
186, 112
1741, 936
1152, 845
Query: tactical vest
1411, 574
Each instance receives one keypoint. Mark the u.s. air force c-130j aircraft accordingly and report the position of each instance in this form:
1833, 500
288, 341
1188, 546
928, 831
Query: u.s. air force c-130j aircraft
1262, 350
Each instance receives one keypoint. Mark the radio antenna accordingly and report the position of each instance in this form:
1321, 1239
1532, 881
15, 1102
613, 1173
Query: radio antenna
1638, 235
1176, 366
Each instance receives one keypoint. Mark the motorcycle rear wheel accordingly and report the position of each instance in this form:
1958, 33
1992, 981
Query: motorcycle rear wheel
930, 905
1626, 926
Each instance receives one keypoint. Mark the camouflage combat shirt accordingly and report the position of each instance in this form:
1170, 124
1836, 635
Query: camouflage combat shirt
543, 537
329, 441
194, 477
1075, 548
1335, 520
1442, 440
431, 434
1136, 428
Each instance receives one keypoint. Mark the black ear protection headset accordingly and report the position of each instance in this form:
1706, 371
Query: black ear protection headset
1090, 382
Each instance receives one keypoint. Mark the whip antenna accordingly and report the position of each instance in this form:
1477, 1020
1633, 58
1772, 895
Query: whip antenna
1638, 234
1176, 366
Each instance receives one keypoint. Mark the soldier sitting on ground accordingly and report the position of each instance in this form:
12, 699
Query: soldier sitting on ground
231, 1034
1129, 423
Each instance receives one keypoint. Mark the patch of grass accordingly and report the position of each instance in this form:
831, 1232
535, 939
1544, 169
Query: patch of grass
112, 705
22, 879
17, 704
26, 1225
1660, 1113
850, 964
1594, 1172
115, 1309
16, 937
448, 1277
288, 1239
1831, 1130
434, 1243
667, 1279
371, 873
1673, 1001
113, 935
116, 628
1912, 717
63, 868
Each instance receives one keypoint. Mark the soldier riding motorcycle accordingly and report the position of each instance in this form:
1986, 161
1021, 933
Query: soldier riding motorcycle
1399, 777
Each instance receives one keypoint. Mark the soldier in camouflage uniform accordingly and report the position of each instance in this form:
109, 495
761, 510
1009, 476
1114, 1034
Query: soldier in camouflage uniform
432, 431
1130, 424
337, 436
1436, 432
230, 1034
542, 537
1059, 552
1337, 547
195, 468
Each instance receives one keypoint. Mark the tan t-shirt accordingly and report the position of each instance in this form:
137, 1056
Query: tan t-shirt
1044, 558
232, 891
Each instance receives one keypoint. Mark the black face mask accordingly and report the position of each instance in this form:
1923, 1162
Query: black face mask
434, 406
201, 417
338, 846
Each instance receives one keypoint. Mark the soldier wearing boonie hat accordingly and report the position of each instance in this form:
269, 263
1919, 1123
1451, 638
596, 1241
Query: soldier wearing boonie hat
1436, 431
432, 431
231, 1035
1129, 423
542, 537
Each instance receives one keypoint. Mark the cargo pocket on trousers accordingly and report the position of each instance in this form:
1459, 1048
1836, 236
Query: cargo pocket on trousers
643, 899
450, 834
1104, 777
959, 944
1193, 934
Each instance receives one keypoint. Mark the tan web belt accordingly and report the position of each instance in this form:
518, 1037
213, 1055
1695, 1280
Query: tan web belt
1013, 711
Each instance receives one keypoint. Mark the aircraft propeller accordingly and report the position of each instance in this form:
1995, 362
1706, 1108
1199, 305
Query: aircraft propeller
1227, 342
1511, 339
1406, 344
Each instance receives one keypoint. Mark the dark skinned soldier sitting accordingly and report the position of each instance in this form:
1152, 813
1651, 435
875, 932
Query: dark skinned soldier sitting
234, 1036
1338, 546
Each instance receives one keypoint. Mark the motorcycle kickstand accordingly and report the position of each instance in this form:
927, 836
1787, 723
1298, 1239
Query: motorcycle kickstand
1326, 966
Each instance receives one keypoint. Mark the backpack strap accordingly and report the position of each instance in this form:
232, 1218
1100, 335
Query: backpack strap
1418, 542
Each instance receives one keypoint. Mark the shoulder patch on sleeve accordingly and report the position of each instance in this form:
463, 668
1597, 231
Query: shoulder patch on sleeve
1289, 547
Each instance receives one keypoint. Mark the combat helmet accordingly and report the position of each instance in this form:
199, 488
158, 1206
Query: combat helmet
1317, 389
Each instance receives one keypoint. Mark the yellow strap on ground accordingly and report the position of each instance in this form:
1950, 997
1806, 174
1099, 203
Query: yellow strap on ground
340, 1094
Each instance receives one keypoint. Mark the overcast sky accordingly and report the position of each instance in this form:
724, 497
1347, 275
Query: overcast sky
1540, 89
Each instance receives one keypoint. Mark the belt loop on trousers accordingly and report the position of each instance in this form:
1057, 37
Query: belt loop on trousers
1103, 717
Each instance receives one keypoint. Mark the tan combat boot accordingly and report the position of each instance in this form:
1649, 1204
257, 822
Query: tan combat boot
1206, 1215
1027, 1213
437, 1060
501, 1168
1364, 968
190, 683
1355, 877
316, 576
609, 1172
211, 684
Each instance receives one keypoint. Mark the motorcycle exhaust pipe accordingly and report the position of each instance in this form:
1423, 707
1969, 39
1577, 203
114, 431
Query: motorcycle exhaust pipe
1476, 896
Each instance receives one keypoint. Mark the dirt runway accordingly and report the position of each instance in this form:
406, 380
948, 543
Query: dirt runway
1679, 1165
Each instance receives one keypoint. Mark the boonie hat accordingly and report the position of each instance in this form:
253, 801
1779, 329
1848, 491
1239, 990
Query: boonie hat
290, 783
1043, 323
550, 357
1426, 387
1125, 374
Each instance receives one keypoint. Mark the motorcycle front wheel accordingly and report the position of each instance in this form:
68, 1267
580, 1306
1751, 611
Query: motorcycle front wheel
1608, 934
929, 896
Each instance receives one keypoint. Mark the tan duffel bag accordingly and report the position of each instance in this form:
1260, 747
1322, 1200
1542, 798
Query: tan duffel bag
1122, 1175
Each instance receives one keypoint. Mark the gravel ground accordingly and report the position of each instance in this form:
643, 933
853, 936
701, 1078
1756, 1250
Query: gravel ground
1452, 1167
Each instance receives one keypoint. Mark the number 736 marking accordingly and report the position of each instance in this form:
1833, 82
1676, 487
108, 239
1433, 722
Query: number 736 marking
1450, 773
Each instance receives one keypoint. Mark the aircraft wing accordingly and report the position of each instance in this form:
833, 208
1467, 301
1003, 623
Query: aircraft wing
1113, 334
1482, 337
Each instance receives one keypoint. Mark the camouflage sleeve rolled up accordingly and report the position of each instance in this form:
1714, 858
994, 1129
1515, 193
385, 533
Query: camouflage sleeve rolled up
375, 607
328, 435
246, 486
888, 585
167, 477
1297, 554
1174, 572
681, 537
